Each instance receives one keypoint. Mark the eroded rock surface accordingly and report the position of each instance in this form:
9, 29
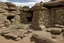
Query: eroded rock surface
42, 37
15, 34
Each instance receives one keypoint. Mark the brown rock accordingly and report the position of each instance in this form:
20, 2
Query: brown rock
25, 8
55, 30
11, 6
42, 37
41, 17
53, 3
3, 5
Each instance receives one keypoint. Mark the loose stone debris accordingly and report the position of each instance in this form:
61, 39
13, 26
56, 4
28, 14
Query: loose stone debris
46, 21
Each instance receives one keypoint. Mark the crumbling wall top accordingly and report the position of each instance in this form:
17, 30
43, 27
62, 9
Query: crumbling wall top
38, 6
3, 5
53, 3
25, 8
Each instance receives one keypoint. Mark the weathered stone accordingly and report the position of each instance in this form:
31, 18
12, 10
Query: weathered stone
25, 35
17, 17
63, 33
41, 17
25, 15
7, 23
15, 12
30, 31
11, 6
42, 37
17, 39
2, 10
54, 3
14, 33
55, 30
25, 8
59, 17
3, 5
56, 0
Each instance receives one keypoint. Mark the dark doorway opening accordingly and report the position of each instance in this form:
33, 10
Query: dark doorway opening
29, 19
10, 17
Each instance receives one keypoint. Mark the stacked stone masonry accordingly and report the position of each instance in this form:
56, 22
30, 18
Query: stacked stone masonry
25, 14
9, 14
45, 14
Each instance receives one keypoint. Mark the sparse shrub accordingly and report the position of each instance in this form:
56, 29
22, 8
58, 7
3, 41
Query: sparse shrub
18, 25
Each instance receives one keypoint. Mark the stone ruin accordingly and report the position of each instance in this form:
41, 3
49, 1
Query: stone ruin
48, 17
41, 16
8, 14
48, 14
26, 14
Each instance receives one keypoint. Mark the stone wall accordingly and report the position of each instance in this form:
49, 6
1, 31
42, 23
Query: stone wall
41, 16
58, 15
25, 13
8, 13
47, 16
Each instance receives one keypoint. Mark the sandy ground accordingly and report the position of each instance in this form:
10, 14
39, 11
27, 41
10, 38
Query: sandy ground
24, 40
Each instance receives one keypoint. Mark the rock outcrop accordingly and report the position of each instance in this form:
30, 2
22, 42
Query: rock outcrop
9, 15
41, 16
48, 14
26, 14
8, 11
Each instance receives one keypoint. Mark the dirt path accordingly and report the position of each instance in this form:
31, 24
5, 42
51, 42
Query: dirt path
24, 40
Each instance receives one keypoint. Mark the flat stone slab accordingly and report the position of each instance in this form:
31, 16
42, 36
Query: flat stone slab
14, 33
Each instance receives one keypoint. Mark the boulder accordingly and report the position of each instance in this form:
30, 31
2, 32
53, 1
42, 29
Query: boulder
55, 30
42, 37
15, 34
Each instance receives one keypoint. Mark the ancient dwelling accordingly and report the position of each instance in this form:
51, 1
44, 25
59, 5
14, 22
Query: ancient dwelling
9, 14
10, 20
26, 14
41, 16
48, 14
